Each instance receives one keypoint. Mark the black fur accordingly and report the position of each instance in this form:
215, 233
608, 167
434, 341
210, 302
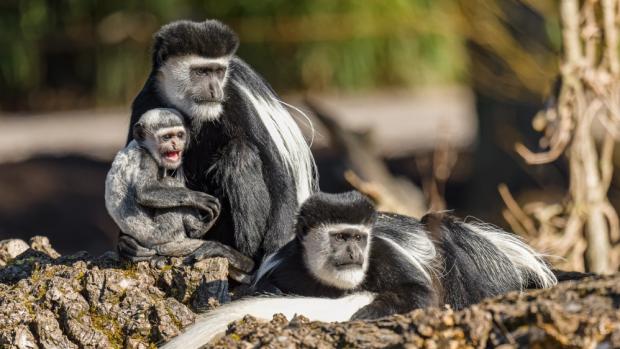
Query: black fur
322, 208
234, 155
211, 39
400, 288
474, 268
467, 267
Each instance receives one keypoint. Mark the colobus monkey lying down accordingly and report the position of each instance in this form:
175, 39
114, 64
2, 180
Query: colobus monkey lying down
368, 265
146, 196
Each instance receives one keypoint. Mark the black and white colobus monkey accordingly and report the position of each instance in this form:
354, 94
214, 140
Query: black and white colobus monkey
245, 147
366, 265
342, 246
145, 195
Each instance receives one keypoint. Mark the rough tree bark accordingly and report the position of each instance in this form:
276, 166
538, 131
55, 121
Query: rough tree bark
49, 301
581, 314
77, 301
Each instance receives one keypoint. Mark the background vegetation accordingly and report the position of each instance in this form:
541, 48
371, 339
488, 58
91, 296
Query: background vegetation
60, 54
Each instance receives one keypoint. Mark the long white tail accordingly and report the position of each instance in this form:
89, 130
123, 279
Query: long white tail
529, 263
215, 322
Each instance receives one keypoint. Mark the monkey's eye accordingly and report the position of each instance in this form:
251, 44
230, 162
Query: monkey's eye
199, 71
358, 237
340, 236
180, 134
166, 137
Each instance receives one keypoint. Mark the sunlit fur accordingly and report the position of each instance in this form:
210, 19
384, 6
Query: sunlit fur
215, 322
136, 180
416, 247
529, 263
317, 253
175, 83
247, 148
288, 139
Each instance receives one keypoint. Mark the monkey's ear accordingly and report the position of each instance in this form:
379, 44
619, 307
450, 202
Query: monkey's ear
301, 228
160, 46
138, 131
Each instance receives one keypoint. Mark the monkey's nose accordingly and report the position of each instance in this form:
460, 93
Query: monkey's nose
353, 255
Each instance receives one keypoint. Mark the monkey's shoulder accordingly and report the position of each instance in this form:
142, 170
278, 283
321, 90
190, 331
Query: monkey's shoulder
122, 177
128, 161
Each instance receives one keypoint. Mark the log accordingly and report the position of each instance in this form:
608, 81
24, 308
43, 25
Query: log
574, 314
77, 301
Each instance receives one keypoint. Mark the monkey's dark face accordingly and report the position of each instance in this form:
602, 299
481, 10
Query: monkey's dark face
338, 254
348, 248
195, 85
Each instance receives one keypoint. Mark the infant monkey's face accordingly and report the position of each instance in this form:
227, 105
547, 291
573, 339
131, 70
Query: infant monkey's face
170, 145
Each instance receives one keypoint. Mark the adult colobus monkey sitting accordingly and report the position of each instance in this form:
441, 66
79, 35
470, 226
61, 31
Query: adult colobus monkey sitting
368, 265
246, 148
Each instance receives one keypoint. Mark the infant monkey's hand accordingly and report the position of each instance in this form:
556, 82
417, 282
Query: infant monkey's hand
209, 204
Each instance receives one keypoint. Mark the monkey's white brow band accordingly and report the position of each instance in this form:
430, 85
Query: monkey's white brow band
331, 228
198, 61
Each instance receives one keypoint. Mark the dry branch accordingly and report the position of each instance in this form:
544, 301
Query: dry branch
588, 93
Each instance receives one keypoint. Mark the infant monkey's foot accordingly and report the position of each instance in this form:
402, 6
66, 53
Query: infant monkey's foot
158, 262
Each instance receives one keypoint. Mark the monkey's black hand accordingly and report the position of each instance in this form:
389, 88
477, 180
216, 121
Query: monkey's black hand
239, 276
386, 303
369, 312
209, 204
216, 249
129, 248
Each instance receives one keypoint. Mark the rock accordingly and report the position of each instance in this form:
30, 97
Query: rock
570, 315
11, 248
42, 244
77, 301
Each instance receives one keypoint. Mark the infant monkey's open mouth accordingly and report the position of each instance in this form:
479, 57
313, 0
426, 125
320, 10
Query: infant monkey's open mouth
172, 155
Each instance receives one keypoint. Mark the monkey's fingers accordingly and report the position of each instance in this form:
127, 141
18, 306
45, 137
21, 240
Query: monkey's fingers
364, 313
238, 260
241, 262
216, 249
131, 255
158, 262
209, 203
129, 248
215, 209
239, 276
207, 208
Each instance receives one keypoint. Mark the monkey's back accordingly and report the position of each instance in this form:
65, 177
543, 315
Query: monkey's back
120, 189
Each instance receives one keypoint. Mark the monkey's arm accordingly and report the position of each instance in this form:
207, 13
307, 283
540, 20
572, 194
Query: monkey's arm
178, 248
209, 249
154, 193
239, 180
157, 196
397, 300
283, 205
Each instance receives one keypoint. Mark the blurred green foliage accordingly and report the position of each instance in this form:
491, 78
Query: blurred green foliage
59, 54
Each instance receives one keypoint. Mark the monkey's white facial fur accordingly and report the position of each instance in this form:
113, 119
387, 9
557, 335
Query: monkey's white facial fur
195, 85
167, 146
337, 254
